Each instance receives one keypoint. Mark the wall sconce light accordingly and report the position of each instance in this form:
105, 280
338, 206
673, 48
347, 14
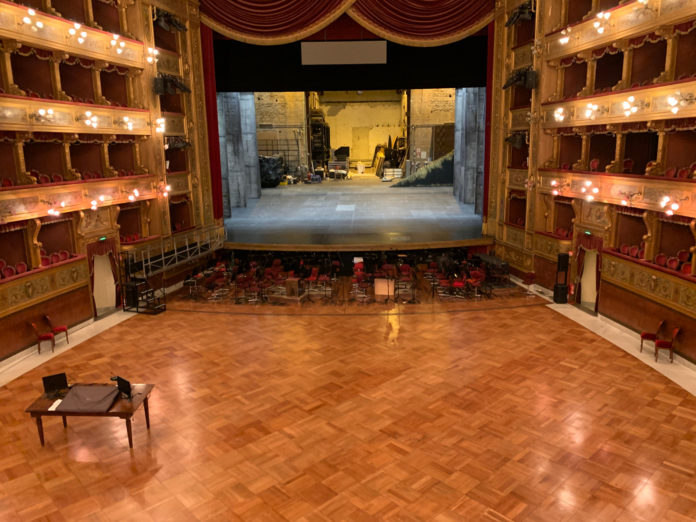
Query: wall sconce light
152, 55
42, 115
125, 123
159, 122
679, 100
631, 105
559, 114
591, 110
558, 186
674, 206
627, 198
589, 190
93, 204
164, 189
53, 212
119, 45
88, 119
599, 23
27, 19
565, 36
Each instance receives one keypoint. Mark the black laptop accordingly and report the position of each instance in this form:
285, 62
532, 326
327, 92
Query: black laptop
124, 387
56, 386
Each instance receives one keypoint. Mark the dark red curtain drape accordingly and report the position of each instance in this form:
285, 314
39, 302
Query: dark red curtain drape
212, 119
422, 23
271, 22
407, 22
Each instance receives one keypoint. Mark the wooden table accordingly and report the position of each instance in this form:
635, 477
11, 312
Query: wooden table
121, 408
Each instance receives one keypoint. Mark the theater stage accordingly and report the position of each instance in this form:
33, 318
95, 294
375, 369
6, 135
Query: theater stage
363, 213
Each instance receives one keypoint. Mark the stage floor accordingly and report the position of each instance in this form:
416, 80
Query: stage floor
360, 212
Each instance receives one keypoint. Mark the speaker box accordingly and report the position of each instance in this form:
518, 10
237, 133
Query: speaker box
560, 293
562, 262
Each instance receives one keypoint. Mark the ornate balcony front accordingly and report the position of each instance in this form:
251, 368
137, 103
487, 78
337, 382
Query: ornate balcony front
657, 285
629, 19
41, 115
39, 29
20, 203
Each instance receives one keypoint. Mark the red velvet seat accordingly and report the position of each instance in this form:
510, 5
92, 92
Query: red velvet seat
624, 249
664, 344
628, 165
673, 263
661, 259
21, 267
57, 178
8, 271
57, 328
45, 260
633, 251
7, 182
594, 164
650, 336
671, 172
683, 173
55, 258
44, 178
683, 255
41, 337
686, 268
64, 255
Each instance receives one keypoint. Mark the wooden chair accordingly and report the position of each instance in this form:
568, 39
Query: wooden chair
650, 336
663, 344
56, 329
40, 337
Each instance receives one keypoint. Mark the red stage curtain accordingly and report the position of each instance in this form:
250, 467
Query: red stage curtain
423, 23
212, 119
271, 22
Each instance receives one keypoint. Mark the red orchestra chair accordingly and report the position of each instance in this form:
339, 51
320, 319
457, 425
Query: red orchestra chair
41, 337
650, 336
56, 329
663, 344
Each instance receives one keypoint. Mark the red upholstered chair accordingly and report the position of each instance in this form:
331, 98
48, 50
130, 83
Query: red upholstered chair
41, 337
683, 173
686, 269
628, 165
64, 254
624, 249
565, 166
641, 253
45, 260
57, 328
663, 344
8, 271
661, 259
673, 263
594, 164
57, 178
7, 182
633, 251
683, 255
55, 258
21, 267
671, 172
520, 221
650, 336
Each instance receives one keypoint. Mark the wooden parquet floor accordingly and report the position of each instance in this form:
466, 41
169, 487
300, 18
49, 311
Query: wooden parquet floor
513, 413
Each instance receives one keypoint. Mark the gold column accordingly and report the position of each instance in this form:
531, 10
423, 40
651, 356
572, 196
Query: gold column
590, 79
109, 171
6, 67
617, 164
583, 162
626, 69
23, 177
670, 59
96, 70
55, 60
69, 173
33, 245
652, 235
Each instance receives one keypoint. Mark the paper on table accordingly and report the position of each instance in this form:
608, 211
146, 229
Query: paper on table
53, 406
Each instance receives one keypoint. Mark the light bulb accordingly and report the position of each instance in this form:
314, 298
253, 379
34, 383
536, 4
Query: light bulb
675, 206
669, 213
131, 198
31, 12
554, 192
39, 24
624, 202
168, 188
588, 183
595, 190
26, 20
93, 202
101, 198
590, 197
554, 182
136, 192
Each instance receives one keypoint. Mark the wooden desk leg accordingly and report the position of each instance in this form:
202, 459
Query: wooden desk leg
39, 426
146, 406
65, 421
130, 432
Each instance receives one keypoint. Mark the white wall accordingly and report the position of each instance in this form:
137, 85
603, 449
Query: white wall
104, 290
363, 121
